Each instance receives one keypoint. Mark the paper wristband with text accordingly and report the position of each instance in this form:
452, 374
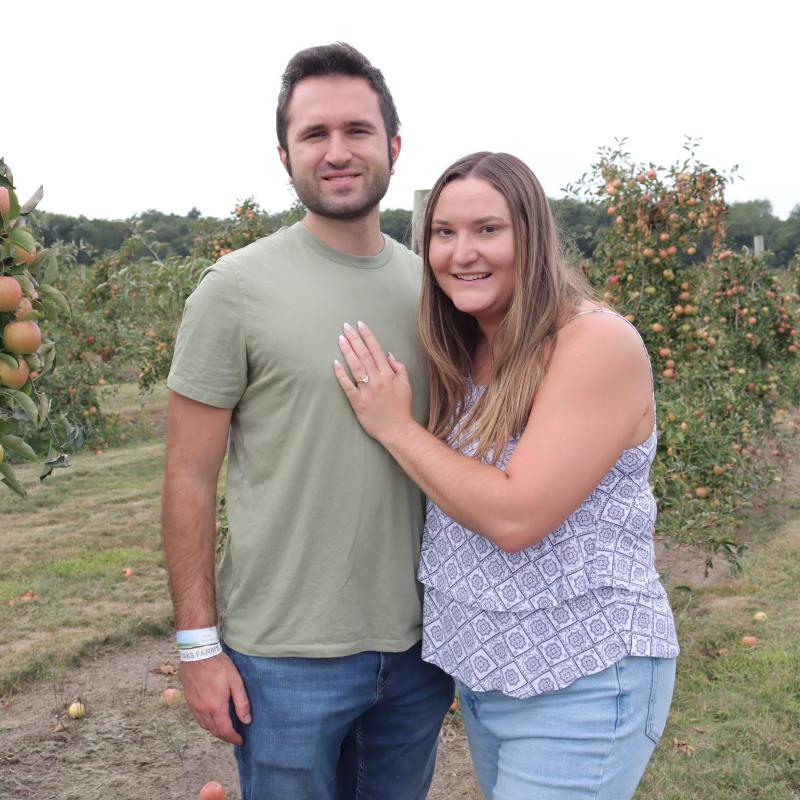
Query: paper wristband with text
201, 653
197, 638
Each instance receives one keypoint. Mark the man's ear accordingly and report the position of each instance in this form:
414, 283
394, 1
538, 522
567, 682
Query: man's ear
394, 149
284, 157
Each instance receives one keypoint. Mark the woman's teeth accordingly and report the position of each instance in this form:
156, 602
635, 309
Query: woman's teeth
476, 277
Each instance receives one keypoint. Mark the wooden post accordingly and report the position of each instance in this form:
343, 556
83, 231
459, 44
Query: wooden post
417, 218
758, 245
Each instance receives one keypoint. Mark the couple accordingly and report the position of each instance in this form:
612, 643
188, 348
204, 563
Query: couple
518, 405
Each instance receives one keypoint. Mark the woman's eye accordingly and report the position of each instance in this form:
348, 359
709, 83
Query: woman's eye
442, 232
490, 228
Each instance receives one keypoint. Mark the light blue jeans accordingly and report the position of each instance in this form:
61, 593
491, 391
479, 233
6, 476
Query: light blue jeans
589, 741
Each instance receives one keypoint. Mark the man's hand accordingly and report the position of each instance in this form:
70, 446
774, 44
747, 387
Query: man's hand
210, 685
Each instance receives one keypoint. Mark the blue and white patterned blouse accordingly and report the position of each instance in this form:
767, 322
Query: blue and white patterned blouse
583, 598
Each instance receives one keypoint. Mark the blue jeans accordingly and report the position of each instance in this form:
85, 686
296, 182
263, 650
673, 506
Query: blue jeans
589, 741
361, 726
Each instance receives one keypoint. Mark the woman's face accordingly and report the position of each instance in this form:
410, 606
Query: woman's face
471, 250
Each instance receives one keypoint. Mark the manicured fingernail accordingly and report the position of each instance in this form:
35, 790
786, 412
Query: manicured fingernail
390, 355
361, 325
348, 326
342, 340
336, 363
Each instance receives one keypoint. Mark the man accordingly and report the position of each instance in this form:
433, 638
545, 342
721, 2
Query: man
318, 679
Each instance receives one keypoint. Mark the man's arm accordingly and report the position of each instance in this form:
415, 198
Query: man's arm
197, 436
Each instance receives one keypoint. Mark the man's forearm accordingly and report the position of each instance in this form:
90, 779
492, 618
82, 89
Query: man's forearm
189, 531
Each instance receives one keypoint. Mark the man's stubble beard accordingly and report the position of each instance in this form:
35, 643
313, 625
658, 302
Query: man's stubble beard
375, 190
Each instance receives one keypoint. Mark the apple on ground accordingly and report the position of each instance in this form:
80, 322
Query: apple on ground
213, 790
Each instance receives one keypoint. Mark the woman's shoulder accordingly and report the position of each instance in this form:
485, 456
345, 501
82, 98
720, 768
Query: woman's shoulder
596, 326
598, 341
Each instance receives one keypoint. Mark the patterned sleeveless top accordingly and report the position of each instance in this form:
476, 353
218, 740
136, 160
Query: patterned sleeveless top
583, 598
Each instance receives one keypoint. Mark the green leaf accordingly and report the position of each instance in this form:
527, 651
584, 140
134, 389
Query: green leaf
18, 446
49, 295
76, 436
48, 270
24, 402
49, 360
21, 238
9, 360
61, 460
10, 480
32, 201
44, 408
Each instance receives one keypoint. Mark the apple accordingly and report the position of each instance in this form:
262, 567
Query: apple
171, 698
77, 710
213, 790
14, 378
127, 572
10, 293
23, 310
760, 616
22, 338
749, 641
5, 201
702, 491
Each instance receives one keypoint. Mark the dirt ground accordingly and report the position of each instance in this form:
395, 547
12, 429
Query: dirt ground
130, 748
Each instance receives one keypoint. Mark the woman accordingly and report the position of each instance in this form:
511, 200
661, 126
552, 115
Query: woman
541, 595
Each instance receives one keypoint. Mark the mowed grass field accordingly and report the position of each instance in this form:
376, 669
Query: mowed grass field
734, 731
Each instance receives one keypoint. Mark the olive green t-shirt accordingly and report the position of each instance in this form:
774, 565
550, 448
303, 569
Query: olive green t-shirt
325, 528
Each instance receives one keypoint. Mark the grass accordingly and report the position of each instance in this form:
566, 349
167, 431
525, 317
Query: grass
734, 730
126, 399
67, 545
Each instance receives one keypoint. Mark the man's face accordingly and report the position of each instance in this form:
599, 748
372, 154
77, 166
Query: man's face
337, 149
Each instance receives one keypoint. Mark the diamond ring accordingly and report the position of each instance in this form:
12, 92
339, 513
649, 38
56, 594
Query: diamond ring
364, 378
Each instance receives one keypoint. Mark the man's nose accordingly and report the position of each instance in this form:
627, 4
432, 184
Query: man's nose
338, 150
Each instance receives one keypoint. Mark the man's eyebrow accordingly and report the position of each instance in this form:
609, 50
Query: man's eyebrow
311, 129
356, 123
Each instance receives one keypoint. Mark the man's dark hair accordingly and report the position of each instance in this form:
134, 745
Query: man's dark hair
333, 59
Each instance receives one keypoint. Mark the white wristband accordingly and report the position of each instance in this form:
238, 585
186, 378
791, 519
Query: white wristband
200, 653
197, 637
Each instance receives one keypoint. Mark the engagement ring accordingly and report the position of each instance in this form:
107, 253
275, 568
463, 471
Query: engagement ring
364, 378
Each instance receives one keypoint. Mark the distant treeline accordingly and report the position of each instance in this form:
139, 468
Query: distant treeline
579, 222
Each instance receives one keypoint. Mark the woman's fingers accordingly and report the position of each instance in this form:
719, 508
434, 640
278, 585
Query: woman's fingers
344, 381
357, 367
373, 346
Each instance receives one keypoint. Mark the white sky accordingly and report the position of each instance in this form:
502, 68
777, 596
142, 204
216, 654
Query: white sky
117, 107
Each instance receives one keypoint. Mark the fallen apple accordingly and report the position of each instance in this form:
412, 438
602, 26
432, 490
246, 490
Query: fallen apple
760, 616
213, 790
749, 641
77, 710
171, 698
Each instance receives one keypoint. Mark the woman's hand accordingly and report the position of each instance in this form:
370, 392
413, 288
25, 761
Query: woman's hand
381, 393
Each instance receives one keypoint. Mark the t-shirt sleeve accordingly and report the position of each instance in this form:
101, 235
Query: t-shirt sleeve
210, 361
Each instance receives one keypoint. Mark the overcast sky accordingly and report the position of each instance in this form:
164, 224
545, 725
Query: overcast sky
117, 107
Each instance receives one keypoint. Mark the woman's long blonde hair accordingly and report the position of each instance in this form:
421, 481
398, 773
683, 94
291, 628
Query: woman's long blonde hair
546, 295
